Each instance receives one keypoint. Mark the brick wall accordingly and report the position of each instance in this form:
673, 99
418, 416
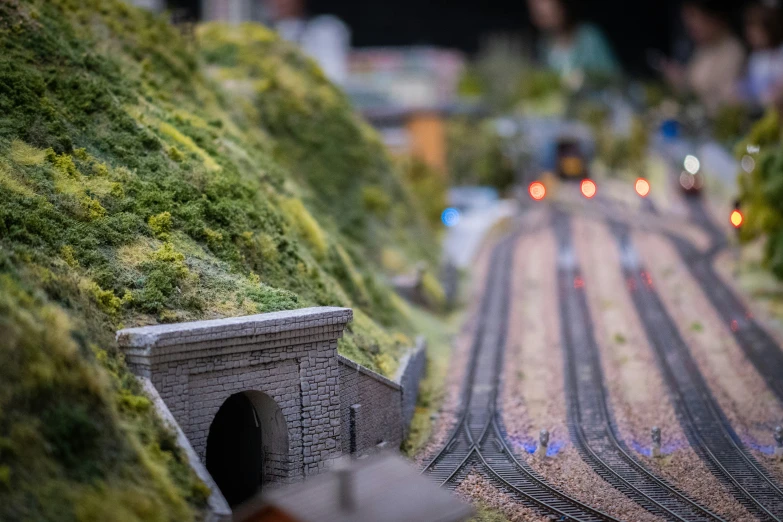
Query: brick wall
377, 411
410, 374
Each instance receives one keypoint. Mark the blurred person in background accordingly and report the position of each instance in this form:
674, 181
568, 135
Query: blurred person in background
764, 34
568, 44
325, 38
714, 69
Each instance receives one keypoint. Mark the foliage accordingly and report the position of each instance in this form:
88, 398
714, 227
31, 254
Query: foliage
432, 291
488, 514
77, 442
495, 74
537, 84
331, 151
761, 191
623, 152
730, 122
135, 189
428, 186
476, 155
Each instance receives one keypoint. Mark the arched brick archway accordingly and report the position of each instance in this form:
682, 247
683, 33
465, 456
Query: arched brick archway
247, 445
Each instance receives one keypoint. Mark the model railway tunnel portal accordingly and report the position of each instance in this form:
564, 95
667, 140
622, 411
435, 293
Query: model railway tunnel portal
257, 397
247, 445
266, 399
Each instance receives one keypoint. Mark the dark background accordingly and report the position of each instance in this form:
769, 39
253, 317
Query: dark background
632, 26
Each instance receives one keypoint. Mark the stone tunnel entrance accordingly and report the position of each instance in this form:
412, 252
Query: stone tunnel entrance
247, 445
269, 380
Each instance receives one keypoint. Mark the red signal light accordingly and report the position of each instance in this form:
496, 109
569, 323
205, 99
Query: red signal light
737, 218
642, 187
589, 188
537, 190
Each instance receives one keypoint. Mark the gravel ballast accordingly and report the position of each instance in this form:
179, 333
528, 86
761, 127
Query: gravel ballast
741, 392
533, 395
450, 410
638, 396
478, 490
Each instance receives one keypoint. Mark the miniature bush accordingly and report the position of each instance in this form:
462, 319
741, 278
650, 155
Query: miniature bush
433, 291
306, 225
376, 201
67, 452
429, 187
761, 191
160, 224
476, 156
24, 154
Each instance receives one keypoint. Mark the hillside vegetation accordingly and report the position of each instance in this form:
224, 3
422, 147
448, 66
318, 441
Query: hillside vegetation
761, 190
149, 176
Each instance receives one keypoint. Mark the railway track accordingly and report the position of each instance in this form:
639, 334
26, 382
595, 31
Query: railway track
702, 420
590, 421
759, 346
477, 440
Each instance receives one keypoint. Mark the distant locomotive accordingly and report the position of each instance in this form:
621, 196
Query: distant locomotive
558, 147
571, 161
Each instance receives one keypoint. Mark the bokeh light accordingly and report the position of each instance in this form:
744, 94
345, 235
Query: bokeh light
692, 164
642, 187
589, 188
748, 163
687, 181
450, 217
737, 218
537, 190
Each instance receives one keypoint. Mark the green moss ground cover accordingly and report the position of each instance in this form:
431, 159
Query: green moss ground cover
488, 514
147, 176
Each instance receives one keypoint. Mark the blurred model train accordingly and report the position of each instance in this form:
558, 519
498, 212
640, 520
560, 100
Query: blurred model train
571, 159
563, 148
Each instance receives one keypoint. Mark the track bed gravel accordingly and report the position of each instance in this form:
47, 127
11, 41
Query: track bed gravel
741, 392
533, 394
476, 489
449, 412
637, 394
768, 309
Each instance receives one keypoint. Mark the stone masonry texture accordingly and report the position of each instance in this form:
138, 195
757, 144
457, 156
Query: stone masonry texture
378, 416
289, 357
287, 365
412, 369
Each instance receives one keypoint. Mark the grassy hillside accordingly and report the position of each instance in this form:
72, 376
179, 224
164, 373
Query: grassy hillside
147, 176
